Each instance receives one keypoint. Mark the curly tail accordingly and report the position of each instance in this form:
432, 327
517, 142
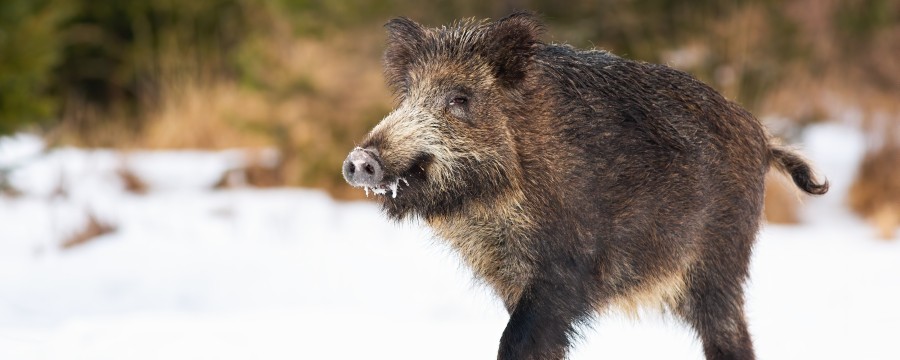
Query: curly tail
800, 172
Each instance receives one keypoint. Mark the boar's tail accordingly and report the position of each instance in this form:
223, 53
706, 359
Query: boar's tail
800, 172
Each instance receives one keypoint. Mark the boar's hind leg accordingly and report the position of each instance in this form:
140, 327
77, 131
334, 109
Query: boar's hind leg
542, 321
714, 307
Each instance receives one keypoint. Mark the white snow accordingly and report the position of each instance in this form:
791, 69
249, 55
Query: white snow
193, 273
17, 149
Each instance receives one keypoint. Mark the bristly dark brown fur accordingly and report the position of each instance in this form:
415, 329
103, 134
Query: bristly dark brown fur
512, 45
573, 182
403, 37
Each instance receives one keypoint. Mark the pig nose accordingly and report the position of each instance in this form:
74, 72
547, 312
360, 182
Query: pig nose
363, 168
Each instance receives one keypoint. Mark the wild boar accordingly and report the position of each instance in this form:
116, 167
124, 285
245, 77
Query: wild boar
573, 181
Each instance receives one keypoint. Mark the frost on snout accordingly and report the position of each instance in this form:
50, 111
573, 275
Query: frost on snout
391, 153
363, 168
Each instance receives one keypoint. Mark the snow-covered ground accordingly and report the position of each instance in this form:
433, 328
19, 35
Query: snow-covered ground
195, 273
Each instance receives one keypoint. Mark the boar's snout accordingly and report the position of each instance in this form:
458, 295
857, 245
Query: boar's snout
363, 168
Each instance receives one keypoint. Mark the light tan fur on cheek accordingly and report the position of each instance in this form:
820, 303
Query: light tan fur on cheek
411, 130
492, 239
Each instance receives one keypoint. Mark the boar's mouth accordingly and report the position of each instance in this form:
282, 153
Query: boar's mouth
414, 174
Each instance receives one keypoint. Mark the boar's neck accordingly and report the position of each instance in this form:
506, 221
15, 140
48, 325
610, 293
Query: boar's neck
499, 237
492, 240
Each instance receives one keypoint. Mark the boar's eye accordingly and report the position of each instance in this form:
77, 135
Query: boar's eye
458, 106
458, 100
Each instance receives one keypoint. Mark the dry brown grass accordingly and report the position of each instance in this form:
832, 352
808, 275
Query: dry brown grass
260, 171
312, 97
131, 181
206, 116
875, 194
856, 81
886, 219
315, 98
835, 75
93, 229
782, 199
85, 125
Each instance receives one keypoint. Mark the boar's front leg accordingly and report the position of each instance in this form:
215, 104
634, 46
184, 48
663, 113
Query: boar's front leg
542, 321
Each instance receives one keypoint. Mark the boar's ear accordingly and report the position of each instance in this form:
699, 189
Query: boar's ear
511, 44
404, 37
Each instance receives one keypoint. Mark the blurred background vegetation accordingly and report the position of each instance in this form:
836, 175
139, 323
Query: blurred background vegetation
304, 76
